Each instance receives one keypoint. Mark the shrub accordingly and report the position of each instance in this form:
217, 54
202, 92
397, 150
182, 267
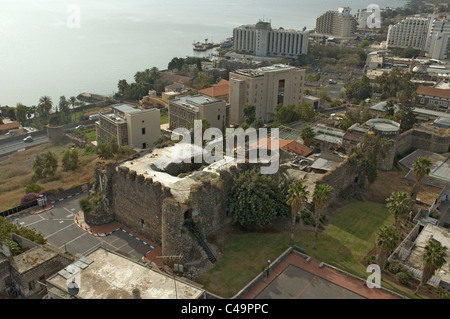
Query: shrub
28, 198
33, 188
84, 204
435, 214
70, 160
90, 150
371, 259
402, 277
443, 293
395, 267
307, 217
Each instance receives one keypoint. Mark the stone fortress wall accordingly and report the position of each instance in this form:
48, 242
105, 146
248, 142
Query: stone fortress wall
149, 208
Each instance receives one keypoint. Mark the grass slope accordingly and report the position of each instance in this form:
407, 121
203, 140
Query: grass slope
349, 235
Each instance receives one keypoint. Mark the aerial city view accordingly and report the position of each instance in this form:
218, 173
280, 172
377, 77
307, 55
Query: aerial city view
210, 151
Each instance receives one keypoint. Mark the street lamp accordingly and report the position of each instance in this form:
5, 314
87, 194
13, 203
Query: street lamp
268, 265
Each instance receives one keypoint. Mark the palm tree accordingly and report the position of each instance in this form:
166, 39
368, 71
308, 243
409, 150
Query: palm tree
399, 204
386, 241
323, 194
296, 197
433, 259
421, 168
45, 106
73, 101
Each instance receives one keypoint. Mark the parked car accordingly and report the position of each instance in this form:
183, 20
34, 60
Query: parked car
79, 127
29, 138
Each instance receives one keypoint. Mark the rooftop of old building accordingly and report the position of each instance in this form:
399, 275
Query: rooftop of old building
111, 276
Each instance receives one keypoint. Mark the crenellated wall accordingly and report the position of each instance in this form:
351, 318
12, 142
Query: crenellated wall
414, 139
148, 208
137, 203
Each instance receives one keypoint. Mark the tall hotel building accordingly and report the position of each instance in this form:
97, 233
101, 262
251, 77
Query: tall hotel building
265, 88
437, 45
261, 40
430, 34
409, 33
338, 24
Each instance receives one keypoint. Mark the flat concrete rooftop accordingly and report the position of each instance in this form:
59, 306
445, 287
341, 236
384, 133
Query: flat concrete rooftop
32, 258
111, 276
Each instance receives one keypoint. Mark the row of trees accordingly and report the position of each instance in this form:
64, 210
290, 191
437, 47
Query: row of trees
149, 79
45, 165
43, 114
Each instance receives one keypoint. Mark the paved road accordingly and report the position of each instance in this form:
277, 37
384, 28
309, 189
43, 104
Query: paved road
14, 146
59, 228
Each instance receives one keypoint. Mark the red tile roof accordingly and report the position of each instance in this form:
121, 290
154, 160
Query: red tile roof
431, 91
9, 126
291, 146
220, 89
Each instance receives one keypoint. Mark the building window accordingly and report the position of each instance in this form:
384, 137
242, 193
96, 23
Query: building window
218, 117
31, 285
143, 131
142, 223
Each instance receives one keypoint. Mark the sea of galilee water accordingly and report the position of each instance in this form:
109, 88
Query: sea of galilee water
44, 50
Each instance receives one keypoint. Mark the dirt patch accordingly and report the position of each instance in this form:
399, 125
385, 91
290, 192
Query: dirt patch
394, 181
17, 169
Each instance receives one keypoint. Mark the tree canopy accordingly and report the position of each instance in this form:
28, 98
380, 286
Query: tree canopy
386, 241
398, 204
44, 166
255, 199
367, 156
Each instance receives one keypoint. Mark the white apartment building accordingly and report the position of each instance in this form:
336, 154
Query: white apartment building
135, 127
437, 43
410, 32
430, 34
265, 88
261, 40
184, 109
338, 24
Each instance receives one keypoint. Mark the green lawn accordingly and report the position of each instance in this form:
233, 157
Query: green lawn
164, 119
348, 237
91, 134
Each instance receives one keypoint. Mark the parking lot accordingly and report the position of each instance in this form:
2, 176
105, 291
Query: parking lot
61, 231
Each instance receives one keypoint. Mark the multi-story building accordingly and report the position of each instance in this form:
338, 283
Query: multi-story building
134, 127
186, 108
430, 34
432, 95
338, 24
437, 43
265, 88
409, 33
362, 17
261, 40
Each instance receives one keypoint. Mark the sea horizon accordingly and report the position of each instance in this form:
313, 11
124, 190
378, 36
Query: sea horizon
46, 48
